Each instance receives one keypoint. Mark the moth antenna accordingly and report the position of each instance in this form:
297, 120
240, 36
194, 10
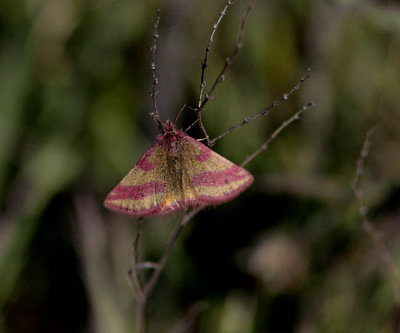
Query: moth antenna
158, 121
179, 113
154, 85
191, 125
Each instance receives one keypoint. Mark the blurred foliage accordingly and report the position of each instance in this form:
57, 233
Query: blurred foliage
289, 255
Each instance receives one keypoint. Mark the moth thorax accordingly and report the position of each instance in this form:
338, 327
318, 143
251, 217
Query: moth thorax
173, 146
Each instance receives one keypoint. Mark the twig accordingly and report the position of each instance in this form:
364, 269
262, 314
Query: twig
369, 228
208, 49
148, 287
228, 62
263, 113
144, 290
134, 274
154, 85
186, 323
134, 277
286, 123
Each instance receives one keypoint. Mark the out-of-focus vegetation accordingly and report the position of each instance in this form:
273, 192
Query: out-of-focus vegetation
289, 255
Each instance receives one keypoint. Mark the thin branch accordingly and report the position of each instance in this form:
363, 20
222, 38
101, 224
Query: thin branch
154, 85
148, 288
208, 49
286, 123
134, 276
263, 113
144, 290
228, 62
369, 228
134, 272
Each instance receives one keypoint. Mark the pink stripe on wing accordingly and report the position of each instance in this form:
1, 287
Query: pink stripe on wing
136, 192
219, 178
143, 163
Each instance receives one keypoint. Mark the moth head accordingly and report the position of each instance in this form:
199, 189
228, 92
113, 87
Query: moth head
169, 127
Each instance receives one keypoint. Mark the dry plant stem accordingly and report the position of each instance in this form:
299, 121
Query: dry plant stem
148, 288
367, 225
208, 49
273, 136
137, 285
228, 62
154, 86
262, 113
143, 291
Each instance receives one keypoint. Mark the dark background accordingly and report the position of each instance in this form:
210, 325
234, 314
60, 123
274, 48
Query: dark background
289, 255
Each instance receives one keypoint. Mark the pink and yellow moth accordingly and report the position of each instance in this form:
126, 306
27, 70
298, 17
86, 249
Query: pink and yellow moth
177, 172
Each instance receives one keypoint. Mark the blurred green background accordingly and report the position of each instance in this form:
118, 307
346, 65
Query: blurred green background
289, 255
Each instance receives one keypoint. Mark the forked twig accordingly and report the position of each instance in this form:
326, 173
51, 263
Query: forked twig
208, 49
228, 62
264, 112
143, 291
154, 85
369, 228
286, 123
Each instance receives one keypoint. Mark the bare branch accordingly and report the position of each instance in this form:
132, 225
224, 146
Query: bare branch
228, 62
286, 123
264, 112
210, 43
134, 278
143, 291
133, 273
154, 85
369, 228
163, 258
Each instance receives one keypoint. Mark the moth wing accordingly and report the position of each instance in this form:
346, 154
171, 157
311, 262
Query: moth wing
145, 190
209, 178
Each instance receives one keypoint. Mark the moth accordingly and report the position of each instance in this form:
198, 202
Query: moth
176, 173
